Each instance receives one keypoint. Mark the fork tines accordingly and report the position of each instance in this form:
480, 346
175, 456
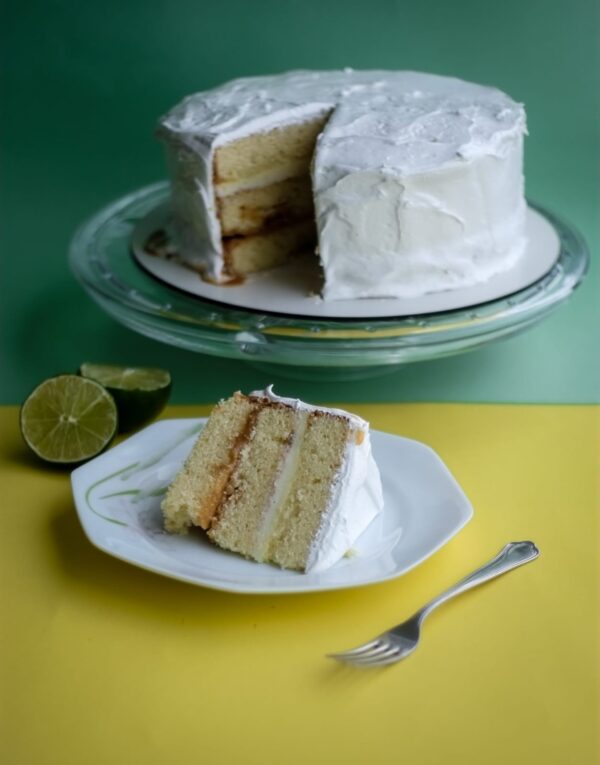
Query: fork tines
374, 653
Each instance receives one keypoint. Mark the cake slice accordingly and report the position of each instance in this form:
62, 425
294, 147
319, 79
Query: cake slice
278, 481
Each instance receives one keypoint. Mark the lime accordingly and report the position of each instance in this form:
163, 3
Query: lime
139, 392
68, 419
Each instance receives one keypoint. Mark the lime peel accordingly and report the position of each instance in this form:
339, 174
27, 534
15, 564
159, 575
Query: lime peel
140, 393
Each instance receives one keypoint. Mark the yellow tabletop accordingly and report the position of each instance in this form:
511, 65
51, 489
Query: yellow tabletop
105, 663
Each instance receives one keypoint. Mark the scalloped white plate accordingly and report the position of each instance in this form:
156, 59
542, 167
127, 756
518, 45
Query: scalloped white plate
118, 495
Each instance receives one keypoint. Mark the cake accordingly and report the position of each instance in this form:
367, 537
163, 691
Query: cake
278, 481
403, 183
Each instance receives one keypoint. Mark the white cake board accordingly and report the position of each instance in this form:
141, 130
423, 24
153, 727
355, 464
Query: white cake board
292, 289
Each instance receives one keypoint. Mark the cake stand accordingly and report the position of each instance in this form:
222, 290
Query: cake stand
305, 346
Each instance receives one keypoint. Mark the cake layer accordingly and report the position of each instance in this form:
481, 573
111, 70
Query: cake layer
248, 254
240, 517
321, 453
286, 148
354, 486
253, 210
195, 495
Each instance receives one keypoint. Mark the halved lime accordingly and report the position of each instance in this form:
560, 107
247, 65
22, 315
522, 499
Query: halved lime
68, 419
141, 393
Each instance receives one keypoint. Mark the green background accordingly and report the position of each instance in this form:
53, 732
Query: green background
83, 84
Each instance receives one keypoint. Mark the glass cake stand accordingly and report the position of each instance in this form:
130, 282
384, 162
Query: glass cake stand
300, 346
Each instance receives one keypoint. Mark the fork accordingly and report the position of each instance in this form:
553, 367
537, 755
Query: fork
400, 641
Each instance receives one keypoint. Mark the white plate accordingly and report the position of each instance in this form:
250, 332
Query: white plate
118, 497
293, 289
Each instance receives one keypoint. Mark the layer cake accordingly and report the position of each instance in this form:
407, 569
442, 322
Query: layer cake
403, 183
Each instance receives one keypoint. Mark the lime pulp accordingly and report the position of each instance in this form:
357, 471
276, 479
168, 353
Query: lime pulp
68, 419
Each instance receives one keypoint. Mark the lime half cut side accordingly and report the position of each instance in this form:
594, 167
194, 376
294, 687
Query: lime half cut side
68, 419
140, 393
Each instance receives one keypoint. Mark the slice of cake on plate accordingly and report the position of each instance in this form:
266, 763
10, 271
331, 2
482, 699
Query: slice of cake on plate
278, 481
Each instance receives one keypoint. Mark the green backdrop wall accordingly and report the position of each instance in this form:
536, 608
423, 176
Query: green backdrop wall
84, 82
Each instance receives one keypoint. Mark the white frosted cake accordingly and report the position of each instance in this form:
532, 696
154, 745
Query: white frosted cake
278, 481
403, 183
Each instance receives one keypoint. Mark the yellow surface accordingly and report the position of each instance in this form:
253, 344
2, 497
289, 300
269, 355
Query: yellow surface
106, 663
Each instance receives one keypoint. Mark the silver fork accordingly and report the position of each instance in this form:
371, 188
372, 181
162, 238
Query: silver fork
400, 641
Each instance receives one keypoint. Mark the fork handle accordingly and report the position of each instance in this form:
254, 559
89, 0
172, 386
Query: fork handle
513, 555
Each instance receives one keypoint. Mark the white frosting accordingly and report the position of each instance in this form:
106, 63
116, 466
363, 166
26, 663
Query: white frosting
417, 179
356, 498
